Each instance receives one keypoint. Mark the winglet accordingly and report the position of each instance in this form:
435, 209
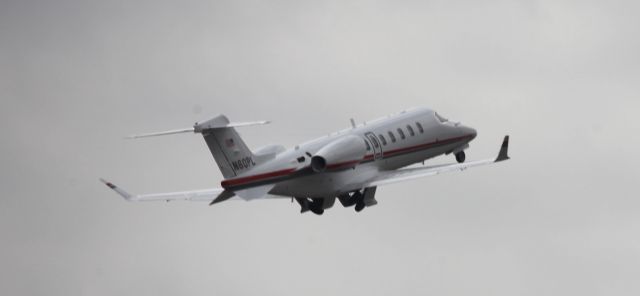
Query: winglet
503, 155
115, 188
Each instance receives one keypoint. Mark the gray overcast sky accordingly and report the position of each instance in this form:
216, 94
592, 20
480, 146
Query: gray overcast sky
562, 77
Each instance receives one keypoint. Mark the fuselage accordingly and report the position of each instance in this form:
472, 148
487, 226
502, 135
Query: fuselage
392, 142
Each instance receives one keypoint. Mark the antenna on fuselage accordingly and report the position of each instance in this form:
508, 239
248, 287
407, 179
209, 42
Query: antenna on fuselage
353, 123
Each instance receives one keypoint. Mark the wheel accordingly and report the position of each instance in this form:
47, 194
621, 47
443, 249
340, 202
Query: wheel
360, 206
460, 157
317, 211
349, 200
304, 204
316, 206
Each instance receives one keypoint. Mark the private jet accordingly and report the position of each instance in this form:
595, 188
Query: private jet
348, 165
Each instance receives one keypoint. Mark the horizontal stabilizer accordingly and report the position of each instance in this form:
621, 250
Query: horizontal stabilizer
215, 123
222, 122
170, 132
248, 123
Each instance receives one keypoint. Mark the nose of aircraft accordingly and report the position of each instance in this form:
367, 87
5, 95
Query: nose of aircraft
469, 131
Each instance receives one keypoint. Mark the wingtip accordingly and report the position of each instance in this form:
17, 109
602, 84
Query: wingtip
109, 184
504, 150
119, 191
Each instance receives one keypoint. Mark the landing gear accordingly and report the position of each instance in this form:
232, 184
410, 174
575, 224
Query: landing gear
304, 204
360, 205
361, 199
351, 199
315, 205
460, 157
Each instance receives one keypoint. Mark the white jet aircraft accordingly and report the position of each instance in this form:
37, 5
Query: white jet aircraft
348, 165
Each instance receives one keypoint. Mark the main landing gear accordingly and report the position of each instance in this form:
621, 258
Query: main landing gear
360, 199
353, 198
460, 157
315, 205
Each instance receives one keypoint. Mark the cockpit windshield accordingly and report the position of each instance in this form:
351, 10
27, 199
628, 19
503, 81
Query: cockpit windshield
440, 118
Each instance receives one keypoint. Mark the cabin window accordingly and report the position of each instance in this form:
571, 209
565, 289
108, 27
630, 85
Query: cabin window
301, 159
410, 129
382, 139
368, 146
419, 127
401, 133
392, 137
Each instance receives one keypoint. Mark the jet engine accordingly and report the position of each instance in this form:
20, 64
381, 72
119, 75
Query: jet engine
345, 152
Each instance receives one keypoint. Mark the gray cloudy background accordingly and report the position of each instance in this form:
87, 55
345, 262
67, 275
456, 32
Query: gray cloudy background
561, 77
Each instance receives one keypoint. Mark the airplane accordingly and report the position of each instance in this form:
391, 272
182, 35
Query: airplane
347, 165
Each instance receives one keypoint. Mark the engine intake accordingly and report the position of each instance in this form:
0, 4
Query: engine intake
318, 163
345, 152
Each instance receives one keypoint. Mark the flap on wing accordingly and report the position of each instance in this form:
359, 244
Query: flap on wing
408, 174
255, 192
224, 195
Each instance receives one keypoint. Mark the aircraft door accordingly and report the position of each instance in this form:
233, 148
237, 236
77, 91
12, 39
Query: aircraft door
377, 148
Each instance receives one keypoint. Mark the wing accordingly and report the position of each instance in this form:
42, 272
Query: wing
390, 177
213, 195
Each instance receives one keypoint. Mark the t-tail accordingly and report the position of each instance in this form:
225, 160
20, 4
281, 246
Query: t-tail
227, 147
231, 154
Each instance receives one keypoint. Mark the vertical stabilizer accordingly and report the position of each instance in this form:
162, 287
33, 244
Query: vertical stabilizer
229, 150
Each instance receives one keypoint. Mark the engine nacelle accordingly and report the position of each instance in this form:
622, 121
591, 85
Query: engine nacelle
345, 152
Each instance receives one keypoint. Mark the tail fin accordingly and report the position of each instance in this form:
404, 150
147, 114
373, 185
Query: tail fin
229, 150
227, 147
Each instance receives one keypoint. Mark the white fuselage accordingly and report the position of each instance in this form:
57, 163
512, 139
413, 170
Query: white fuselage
423, 135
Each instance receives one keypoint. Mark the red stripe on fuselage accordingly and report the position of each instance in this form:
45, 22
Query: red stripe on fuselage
258, 177
280, 173
343, 164
421, 146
